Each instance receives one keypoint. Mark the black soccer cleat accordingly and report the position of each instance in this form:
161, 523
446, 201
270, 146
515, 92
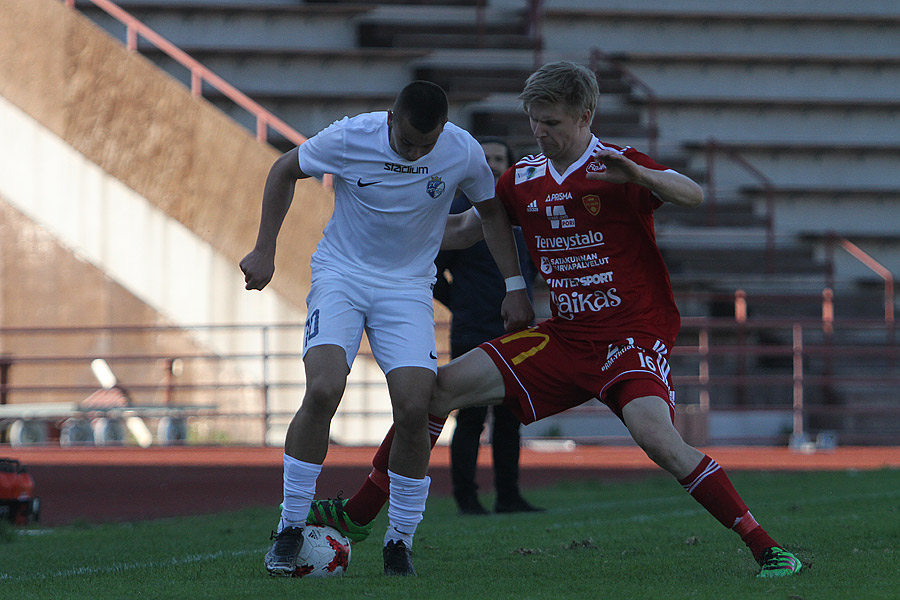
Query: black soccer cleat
281, 559
398, 559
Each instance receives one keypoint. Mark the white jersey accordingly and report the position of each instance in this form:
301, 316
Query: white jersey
390, 213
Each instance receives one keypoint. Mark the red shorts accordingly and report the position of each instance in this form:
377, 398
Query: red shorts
546, 373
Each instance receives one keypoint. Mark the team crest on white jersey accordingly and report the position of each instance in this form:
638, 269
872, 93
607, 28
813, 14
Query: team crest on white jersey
435, 186
529, 172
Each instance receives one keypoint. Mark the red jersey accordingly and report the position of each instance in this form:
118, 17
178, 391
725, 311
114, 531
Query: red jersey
594, 244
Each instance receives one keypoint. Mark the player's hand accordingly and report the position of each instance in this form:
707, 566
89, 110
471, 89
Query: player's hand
258, 268
614, 167
517, 311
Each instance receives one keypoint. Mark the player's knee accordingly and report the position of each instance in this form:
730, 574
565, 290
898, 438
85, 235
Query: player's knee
322, 398
409, 416
668, 451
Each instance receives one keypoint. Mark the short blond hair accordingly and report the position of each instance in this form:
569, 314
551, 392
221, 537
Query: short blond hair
562, 82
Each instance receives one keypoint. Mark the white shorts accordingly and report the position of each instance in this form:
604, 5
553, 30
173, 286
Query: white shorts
398, 322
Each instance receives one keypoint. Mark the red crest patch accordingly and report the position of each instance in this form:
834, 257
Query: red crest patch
592, 204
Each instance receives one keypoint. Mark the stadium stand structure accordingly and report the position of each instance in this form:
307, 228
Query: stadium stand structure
801, 95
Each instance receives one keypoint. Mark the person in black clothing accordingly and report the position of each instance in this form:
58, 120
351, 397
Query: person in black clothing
474, 299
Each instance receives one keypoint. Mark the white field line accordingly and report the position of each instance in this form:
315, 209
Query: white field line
600, 506
607, 513
130, 566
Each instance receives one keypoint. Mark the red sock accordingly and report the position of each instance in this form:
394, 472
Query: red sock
366, 503
710, 486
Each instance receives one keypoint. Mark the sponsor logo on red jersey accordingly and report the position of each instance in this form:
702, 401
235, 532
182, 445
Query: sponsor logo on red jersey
558, 217
576, 241
529, 172
595, 167
558, 197
569, 304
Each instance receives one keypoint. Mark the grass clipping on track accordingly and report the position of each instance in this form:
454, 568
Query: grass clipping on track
638, 539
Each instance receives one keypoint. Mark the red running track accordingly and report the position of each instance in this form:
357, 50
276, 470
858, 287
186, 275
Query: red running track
128, 484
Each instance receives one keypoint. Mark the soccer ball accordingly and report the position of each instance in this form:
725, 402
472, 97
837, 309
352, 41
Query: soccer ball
325, 552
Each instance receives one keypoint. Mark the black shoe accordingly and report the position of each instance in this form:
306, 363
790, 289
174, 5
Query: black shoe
516, 506
281, 559
471, 507
398, 559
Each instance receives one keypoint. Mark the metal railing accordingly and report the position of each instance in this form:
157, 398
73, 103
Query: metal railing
195, 381
534, 22
788, 366
713, 148
599, 57
135, 29
876, 267
802, 354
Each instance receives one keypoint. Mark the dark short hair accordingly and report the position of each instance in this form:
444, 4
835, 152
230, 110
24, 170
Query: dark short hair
492, 139
424, 104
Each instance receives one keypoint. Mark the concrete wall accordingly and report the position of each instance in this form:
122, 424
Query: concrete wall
124, 200
181, 154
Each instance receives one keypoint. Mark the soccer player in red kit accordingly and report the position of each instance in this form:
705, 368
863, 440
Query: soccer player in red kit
586, 209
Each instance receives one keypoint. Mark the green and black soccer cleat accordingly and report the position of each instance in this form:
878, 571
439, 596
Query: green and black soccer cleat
331, 512
778, 562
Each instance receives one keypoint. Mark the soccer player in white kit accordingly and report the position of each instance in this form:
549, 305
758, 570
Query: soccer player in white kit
395, 174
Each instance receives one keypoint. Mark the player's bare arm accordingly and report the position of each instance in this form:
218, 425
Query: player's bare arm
517, 311
259, 265
462, 230
669, 185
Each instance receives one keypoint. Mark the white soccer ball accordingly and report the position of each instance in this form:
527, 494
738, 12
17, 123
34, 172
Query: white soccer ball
325, 552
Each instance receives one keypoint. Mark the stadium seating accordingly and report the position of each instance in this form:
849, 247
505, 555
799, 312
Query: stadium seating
801, 94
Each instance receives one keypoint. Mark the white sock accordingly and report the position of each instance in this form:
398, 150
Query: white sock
406, 508
299, 490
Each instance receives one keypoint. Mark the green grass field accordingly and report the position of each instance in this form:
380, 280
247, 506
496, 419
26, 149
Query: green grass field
628, 540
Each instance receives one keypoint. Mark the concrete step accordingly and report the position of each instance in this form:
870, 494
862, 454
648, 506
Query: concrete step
477, 79
379, 3
574, 31
414, 27
220, 24
721, 215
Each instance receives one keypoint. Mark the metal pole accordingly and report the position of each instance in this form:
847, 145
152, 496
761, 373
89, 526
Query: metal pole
798, 382
703, 344
5, 365
740, 316
265, 383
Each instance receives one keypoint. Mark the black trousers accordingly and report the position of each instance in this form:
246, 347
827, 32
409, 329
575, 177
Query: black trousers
465, 444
